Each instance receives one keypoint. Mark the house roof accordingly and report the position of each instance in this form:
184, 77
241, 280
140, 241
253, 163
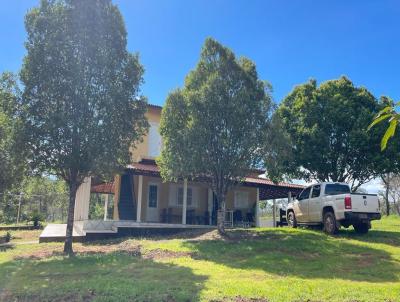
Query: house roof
104, 188
268, 189
154, 106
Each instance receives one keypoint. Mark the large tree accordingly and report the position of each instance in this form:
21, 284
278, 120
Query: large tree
81, 100
11, 150
324, 134
211, 126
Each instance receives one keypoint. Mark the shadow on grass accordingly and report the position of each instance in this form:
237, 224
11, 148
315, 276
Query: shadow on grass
6, 247
111, 277
373, 236
299, 253
154, 236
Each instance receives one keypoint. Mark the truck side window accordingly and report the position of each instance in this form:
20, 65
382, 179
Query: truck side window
304, 194
316, 191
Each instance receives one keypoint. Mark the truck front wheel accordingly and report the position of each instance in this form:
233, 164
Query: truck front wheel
330, 224
361, 228
291, 220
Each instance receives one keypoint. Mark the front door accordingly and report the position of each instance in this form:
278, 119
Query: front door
152, 214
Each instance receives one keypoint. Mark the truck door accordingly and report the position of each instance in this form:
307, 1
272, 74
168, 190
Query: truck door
315, 204
300, 206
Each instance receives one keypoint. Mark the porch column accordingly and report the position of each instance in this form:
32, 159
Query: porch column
258, 208
184, 204
289, 197
139, 199
106, 207
210, 205
274, 212
82, 199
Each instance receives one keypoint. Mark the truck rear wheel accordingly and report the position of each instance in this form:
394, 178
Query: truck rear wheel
330, 224
361, 228
291, 220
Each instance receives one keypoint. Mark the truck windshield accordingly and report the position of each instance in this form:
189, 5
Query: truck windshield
336, 189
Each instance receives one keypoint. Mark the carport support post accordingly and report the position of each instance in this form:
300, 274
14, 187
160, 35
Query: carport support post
106, 207
289, 197
139, 199
274, 212
184, 204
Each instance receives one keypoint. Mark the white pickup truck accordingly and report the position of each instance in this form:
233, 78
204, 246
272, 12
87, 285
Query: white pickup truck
332, 205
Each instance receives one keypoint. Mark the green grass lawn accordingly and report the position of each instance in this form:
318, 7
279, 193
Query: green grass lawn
269, 264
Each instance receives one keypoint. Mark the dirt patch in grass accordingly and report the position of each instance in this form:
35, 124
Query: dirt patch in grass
231, 235
81, 297
241, 299
79, 249
165, 254
125, 247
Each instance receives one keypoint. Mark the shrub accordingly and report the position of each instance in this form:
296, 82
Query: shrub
36, 218
8, 237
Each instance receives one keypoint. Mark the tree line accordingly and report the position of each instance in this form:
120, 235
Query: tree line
76, 110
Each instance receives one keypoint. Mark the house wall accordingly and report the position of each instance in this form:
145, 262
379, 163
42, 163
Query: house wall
167, 198
141, 150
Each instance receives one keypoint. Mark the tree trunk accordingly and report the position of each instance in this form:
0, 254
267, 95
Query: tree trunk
387, 200
221, 214
70, 220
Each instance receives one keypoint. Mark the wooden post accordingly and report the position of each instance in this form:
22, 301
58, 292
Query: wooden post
139, 199
274, 212
257, 213
106, 207
184, 205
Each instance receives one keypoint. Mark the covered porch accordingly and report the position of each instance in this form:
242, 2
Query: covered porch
140, 198
139, 203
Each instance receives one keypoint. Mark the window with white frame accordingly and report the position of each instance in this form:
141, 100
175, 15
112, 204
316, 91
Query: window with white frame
180, 196
241, 199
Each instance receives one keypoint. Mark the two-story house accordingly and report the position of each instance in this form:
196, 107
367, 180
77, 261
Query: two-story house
142, 199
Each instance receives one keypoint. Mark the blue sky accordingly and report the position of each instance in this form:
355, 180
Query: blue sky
290, 41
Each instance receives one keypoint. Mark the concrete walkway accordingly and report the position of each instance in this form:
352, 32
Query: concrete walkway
56, 232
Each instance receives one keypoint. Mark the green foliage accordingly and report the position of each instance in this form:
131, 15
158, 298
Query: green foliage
11, 149
324, 135
211, 126
81, 104
80, 100
388, 113
96, 207
8, 237
40, 194
36, 217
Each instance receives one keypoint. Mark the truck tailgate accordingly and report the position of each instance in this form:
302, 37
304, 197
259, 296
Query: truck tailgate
364, 203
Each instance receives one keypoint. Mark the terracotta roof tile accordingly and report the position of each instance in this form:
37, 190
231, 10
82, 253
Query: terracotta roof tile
104, 188
150, 167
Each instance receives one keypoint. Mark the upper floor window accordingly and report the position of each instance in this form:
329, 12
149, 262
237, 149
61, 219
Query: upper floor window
154, 140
